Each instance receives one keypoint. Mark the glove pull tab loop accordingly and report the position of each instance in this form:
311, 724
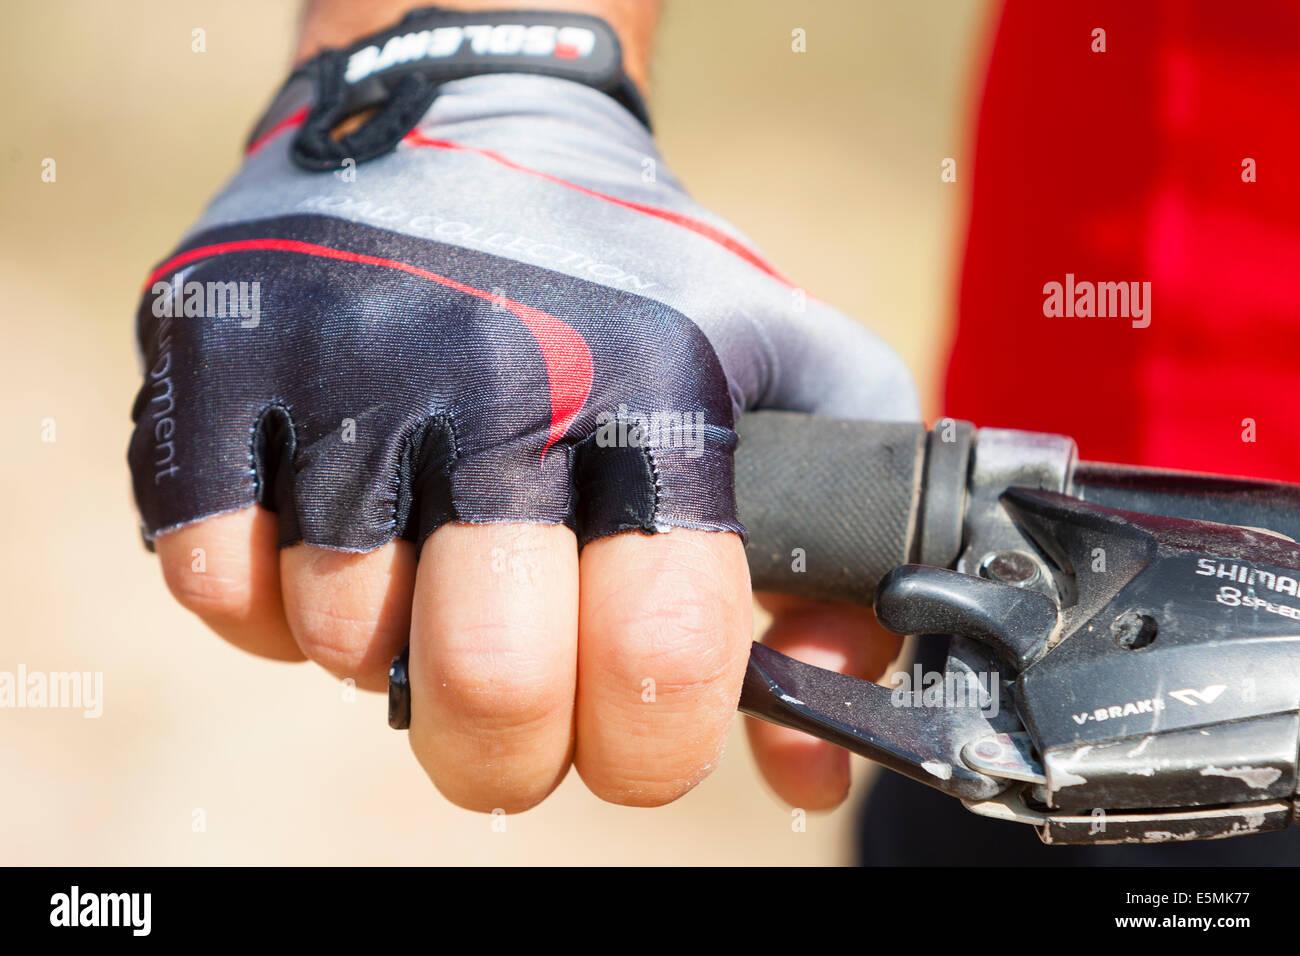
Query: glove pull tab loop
398, 102
398, 73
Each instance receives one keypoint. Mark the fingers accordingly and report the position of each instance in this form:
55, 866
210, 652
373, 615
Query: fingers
497, 644
226, 570
493, 662
804, 771
350, 613
664, 633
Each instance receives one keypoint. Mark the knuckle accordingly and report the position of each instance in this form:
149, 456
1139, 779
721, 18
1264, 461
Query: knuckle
210, 595
335, 642
679, 646
497, 678
348, 612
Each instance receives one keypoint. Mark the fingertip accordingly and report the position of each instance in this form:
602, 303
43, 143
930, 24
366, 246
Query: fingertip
802, 771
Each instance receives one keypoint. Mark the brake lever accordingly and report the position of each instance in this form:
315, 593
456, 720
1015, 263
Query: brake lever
948, 747
868, 719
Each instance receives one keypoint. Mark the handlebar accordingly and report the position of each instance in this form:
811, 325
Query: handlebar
832, 505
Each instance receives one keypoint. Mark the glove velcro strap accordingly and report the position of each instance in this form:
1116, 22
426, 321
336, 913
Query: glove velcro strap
396, 74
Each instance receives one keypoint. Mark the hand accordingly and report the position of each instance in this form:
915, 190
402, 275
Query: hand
514, 349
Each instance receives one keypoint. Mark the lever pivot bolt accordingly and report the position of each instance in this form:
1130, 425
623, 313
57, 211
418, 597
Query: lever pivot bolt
1010, 567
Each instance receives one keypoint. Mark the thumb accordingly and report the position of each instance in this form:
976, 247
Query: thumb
827, 363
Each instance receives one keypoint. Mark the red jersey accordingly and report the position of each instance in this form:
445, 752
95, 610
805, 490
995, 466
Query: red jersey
1169, 158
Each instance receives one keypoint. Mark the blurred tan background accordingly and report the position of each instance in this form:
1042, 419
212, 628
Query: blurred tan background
829, 160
